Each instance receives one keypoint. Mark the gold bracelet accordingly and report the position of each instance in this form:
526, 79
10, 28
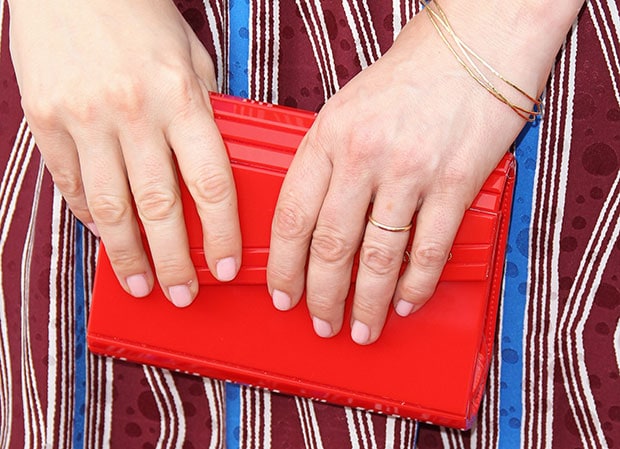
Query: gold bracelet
439, 17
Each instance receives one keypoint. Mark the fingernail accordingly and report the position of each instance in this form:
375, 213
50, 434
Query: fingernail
281, 300
93, 228
322, 327
360, 333
180, 295
404, 308
226, 269
138, 285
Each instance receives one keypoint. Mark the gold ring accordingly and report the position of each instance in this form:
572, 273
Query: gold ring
388, 227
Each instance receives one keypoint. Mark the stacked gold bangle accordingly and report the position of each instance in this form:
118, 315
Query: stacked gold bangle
466, 56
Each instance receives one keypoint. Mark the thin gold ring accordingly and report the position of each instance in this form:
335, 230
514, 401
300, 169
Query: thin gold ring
388, 227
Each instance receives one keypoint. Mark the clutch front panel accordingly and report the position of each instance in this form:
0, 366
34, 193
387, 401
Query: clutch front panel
429, 366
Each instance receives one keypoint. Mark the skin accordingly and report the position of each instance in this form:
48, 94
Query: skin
413, 133
111, 107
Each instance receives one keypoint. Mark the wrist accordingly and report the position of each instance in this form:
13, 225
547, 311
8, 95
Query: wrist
519, 38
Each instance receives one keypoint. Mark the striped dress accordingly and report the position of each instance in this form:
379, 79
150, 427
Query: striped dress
555, 380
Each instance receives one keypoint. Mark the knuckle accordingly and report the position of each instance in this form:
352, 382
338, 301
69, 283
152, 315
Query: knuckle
127, 95
172, 268
416, 293
183, 89
156, 204
291, 223
123, 259
69, 183
329, 246
41, 114
109, 209
380, 260
456, 176
365, 307
320, 305
82, 109
364, 138
212, 187
430, 255
284, 274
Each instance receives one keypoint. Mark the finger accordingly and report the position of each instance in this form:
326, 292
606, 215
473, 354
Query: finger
109, 200
154, 186
436, 225
206, 170
381, 257
61, 159
335, 241
295, 216
202, 62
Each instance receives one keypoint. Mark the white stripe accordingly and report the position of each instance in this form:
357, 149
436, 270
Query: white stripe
302, 404
371, 41
617, 344
220, 60
371, 429
356, 37
613, 60
94, 385
6, 213
109, 404
574, 305
275, 70
52, 351
360, 36
354, 437
171, 414
359, 418
321, 49
257, 417
34, 428
578, 306
256, 40
396, 18
545, 309
64, 329
563, 145
213, 390
176, 409
266, 419
249, 437
389, 432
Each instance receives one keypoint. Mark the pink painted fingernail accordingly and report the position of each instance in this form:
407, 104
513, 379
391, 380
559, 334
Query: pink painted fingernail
226, 269
322, 327
138, 285
180, 295
93, 228
360, 333
404, 308
281, 300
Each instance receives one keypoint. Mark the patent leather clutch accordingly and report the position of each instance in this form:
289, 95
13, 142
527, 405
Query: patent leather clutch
431, 366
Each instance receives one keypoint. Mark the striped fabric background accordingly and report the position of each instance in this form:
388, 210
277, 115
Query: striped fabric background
555, 380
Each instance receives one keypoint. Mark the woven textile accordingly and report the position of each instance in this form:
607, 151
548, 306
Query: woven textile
555, 380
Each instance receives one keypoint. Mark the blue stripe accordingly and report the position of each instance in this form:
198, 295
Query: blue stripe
511, 344
79, 394
239, 16
233, 414
239, 47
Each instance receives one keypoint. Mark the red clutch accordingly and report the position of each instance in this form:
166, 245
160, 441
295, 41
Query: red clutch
431, 366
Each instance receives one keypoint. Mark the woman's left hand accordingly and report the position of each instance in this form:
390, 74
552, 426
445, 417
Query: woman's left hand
413, 133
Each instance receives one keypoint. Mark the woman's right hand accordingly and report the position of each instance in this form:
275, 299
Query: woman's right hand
113, 92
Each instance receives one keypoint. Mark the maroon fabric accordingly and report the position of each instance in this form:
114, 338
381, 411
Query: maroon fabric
133, 406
